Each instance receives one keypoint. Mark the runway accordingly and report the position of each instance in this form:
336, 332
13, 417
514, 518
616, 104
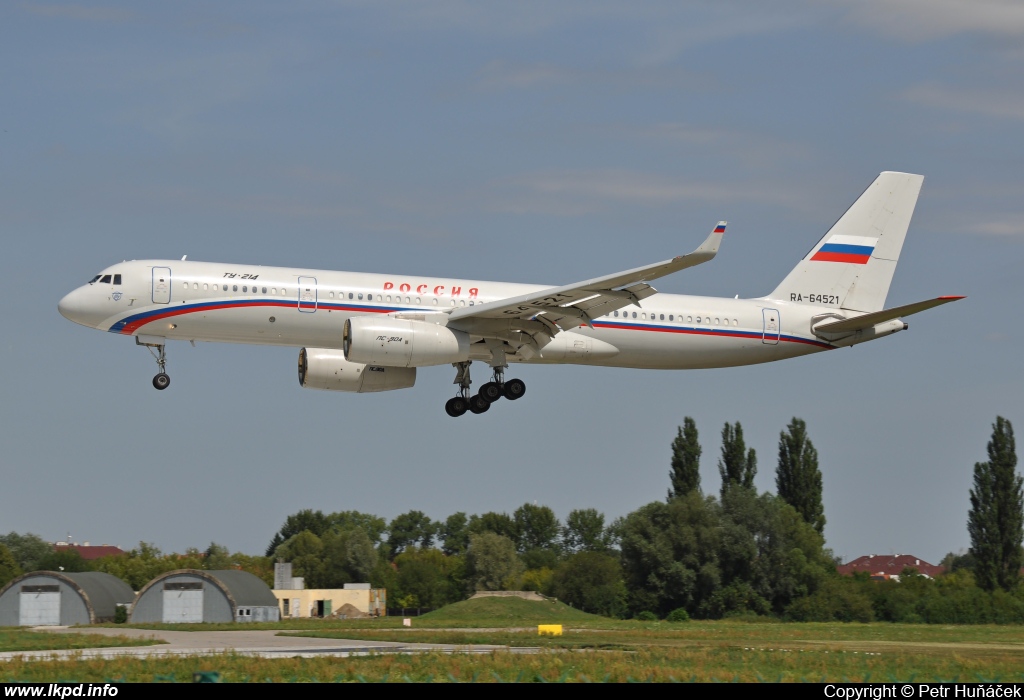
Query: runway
261, 643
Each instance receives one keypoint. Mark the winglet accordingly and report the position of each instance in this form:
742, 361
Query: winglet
710, 245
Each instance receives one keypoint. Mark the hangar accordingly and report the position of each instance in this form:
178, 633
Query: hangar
191, 595
57, 598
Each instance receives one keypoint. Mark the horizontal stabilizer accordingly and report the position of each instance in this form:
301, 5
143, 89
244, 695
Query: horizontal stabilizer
869, 320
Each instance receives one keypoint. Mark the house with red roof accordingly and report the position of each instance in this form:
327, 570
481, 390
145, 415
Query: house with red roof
889, 566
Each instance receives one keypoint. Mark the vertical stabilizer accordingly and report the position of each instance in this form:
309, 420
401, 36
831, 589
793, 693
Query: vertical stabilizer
853, 264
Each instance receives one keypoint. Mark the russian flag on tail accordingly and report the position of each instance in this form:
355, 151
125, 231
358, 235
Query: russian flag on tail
720, 228
846, 249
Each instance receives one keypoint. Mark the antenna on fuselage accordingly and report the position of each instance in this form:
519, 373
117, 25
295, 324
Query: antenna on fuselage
183, 257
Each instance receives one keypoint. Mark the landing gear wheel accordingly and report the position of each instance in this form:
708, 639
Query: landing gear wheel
161, 381
514, 389
456, 407
478, 404
490, 392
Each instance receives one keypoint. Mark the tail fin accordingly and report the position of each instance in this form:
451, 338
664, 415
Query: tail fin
853, 263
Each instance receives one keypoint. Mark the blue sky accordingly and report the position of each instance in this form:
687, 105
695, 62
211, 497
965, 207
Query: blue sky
529, 141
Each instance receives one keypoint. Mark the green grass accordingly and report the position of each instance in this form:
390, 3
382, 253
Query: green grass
25, 640
658, 664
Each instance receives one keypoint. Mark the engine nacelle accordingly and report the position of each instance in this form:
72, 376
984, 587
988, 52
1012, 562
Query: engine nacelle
324, 368
397, 342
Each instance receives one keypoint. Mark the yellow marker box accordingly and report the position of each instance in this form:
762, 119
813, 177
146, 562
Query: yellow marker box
553, 630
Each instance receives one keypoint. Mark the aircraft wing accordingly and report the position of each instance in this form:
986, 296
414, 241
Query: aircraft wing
561, 308
858, 323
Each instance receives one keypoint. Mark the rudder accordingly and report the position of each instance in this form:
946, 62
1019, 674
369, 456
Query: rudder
853, 264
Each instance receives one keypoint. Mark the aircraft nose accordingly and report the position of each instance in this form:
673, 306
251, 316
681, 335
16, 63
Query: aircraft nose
73, 308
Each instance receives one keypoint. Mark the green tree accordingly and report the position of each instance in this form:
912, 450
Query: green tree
454, 534
685, 474
64, 560
738, 465
411, 529
427, 578
996, 517
591, 581
492, 563
312, 520
27, 549
797, 478
217, 558
498, 523
537, 527
585, 531
305, 552
9, 569
373, 525
348, 556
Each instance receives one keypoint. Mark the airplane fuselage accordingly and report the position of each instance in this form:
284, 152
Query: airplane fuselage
230, 303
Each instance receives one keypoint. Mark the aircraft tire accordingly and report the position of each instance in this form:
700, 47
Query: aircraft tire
514, 389
161, 381
490, 392
478, 404
456, 407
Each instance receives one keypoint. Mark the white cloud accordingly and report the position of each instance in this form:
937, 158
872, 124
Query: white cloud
582, 192
1012, 226
1005, 104
929, 19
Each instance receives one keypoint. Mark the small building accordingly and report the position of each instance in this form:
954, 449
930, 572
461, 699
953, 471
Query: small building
191, 595
57, 598
354, 600
884, 567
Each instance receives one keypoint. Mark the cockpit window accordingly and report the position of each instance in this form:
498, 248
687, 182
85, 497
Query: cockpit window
94, 279
105, 279
117, 279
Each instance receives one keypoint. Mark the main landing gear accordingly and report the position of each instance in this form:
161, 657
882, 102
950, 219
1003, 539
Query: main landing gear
161, 381
490, 392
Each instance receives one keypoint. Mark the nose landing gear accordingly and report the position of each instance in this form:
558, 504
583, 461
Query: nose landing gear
161, 381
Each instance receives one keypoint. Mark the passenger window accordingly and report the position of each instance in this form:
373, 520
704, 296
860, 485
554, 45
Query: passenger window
453, 302
689, 319
195, 285
331, 295
264, 290
350, 295
634, 314
435, 301
206, 287
717, 322
462, 302
273, 290
234, 288
407, 300
225, 288
735, 322
698, 319
185, 286
671, 317
360, 295
616, 314
662, 317
417, 300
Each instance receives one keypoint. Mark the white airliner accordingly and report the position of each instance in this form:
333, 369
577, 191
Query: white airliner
368, 332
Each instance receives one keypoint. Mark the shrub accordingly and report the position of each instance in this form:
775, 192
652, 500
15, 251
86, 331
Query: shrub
121, 614
678, 615
646, 616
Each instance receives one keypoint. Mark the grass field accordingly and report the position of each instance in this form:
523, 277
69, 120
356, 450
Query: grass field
594, 649
702, 664
25, 640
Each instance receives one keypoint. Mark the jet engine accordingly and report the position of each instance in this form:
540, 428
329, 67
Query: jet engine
324, 368
397, 342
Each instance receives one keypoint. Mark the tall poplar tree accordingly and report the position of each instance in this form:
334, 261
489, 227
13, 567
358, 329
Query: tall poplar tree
797, 478
996, 518
738, 465
685, 472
